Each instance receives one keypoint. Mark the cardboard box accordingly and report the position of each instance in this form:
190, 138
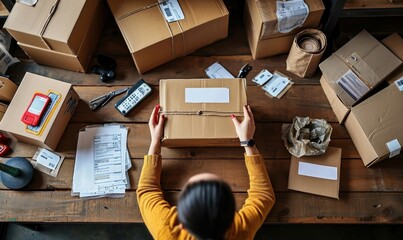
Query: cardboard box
57, 120
64, 31
375, 122
395, 44
258, 22
74, 62
316, 174
198, 111
339, 109
269, 22
152, 41
7, 89
357, 67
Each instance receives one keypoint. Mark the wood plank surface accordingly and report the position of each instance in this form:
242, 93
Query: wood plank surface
367, 195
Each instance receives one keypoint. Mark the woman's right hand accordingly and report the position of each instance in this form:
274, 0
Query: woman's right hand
156, 125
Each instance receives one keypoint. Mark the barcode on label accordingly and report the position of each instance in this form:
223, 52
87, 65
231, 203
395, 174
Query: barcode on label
352, 85
51, 165
168, 12
399, 83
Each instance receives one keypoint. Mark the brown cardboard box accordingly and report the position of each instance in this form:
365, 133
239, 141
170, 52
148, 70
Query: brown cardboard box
339, 109
395, 44
153, 41
58, 118
268, 23
375, 122
366, 61
7, 89
205, 121
65, 30
74, 62
272, 44
316, 174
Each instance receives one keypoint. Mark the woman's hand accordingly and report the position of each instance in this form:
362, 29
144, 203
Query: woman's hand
246, 129
156, 125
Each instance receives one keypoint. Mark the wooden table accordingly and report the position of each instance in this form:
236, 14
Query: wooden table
367, 195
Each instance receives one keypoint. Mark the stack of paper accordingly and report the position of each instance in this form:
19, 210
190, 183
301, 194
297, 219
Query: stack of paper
102, 162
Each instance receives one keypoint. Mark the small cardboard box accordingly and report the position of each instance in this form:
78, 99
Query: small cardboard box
260, 23
3, 109
152, 41
376, 123
395, 44
357, 67
79, 61
57, 120
316, 174
269, 22
198, 111
63, 31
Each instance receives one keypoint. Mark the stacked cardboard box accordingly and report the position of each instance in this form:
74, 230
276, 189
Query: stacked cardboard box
62, 34
261, 25
152, 41
374, 122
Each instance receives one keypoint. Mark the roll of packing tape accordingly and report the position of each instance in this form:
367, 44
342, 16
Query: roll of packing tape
7, 89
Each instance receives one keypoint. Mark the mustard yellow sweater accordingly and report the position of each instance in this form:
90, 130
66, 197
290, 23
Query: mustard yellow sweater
161, 218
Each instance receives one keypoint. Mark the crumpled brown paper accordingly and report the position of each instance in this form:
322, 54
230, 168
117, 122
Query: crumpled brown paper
306, 137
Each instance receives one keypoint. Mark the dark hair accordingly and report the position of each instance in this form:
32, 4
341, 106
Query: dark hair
207, 208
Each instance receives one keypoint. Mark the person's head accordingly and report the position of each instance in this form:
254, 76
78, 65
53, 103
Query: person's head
206, 206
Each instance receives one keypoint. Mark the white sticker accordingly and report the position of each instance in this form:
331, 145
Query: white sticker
291, 14
394, 148
317, 171
399, 83
262, 77
216, 70
48, 159
353, 85
172, 11
276, 85
28, 2
207, 95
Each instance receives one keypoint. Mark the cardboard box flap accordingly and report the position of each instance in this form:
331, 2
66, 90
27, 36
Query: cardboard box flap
380, 118
317, 174
138, 34
395, 44
368, 58
175, 104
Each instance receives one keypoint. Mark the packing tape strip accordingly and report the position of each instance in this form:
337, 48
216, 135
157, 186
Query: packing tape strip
202, 113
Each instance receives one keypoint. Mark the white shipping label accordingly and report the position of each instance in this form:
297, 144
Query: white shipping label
317, 171
207, 95
276, 85
291, 14
353, 85
48, 159
394, 148
399, 83
172, 11
216, 70
28, 2
262, 77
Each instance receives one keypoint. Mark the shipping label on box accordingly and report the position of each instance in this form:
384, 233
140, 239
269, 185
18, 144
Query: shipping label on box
198, 111
55, 119
205, 22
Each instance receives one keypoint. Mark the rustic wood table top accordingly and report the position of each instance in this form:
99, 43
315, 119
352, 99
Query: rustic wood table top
367, 195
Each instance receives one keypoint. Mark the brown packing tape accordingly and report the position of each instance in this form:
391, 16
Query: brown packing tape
45, 25
156, 4
306, 51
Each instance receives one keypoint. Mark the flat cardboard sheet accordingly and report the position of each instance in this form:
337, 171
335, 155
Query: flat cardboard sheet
375, 122
316, 174
201, 123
